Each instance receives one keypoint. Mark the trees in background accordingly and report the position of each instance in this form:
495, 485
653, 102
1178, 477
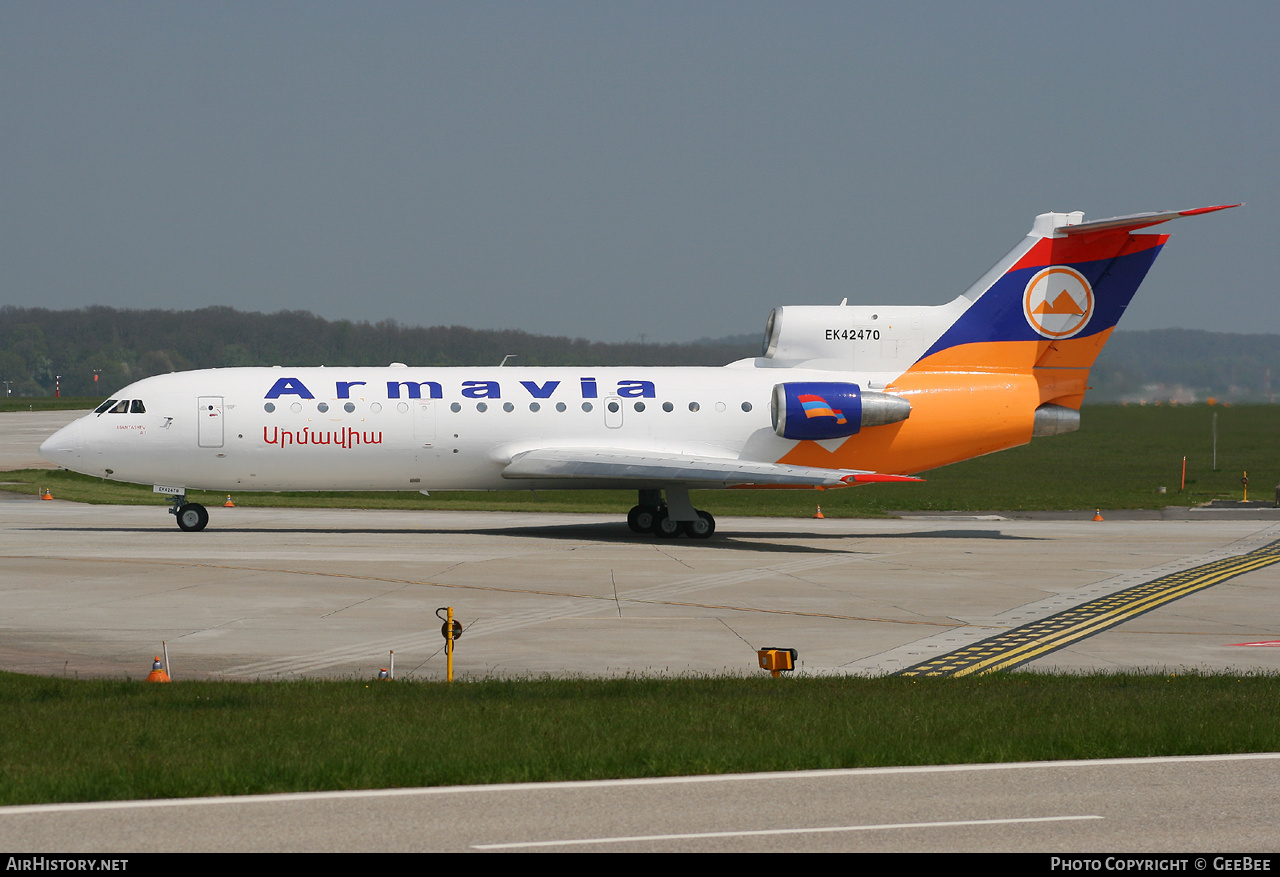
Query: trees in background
121, 346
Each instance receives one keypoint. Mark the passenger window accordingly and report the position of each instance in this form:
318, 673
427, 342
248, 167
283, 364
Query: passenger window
136, 407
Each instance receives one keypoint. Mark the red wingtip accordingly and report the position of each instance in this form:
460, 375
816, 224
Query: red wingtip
871, 477
1200, 210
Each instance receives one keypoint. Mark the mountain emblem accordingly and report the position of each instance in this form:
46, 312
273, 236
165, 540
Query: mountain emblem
1058, 302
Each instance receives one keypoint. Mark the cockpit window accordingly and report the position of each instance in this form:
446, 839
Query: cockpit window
121, 406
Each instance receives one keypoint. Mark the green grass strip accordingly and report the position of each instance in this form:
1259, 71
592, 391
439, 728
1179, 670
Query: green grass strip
69, 740
49, 403
1118, 459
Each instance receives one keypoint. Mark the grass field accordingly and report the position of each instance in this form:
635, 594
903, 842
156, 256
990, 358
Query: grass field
49, 403
67, 740
1119, 458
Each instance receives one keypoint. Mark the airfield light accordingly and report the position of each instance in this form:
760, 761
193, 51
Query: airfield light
777, 660
157, 673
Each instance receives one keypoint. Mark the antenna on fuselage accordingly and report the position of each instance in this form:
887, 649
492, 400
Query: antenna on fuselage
505, 358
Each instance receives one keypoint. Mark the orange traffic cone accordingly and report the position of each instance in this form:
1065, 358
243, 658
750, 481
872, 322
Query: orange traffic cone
819, 513
228, 504
157, 673
1097, 514
47, 494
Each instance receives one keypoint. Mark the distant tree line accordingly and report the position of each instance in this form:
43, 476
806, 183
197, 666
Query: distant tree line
121, 346
1153, 365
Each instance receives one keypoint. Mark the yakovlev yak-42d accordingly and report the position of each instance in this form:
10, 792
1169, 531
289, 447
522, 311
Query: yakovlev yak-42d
841, 395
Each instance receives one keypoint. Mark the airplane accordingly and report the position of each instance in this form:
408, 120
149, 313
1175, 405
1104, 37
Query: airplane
841, 395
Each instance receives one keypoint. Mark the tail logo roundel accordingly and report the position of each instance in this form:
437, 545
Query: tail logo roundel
1058, 302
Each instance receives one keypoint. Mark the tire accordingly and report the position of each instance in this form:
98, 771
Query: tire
666, 528
640, 519
701, 528
192, 517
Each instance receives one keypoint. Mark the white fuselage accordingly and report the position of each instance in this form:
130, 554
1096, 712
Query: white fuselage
362, 428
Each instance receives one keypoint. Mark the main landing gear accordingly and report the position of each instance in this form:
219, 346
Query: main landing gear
191, 515
671, 518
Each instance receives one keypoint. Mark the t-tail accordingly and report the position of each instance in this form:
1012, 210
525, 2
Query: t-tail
1004, 362
1051, 304
1054, 299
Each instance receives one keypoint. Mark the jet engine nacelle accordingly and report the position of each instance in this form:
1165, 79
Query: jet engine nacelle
818, 410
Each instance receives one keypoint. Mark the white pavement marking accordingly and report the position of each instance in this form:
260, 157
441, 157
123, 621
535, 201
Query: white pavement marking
828, 829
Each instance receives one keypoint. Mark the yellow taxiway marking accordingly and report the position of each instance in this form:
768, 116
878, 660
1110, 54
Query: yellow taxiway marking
1019, 645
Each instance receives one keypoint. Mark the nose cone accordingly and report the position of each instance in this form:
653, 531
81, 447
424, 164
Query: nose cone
63, 447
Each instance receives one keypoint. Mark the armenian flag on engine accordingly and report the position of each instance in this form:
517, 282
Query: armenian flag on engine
816, 410
816, 406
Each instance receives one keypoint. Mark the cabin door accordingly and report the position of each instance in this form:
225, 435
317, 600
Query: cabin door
424, 421
209, 421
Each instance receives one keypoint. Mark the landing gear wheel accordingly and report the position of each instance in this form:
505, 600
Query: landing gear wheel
640, 519
701, 528
665, 527
192, 517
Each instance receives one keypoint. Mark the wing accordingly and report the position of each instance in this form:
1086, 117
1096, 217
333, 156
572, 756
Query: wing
631, 468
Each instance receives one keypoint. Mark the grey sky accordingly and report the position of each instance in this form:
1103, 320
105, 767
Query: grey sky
609, 170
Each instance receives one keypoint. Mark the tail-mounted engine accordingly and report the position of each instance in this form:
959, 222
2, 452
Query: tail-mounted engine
817, 410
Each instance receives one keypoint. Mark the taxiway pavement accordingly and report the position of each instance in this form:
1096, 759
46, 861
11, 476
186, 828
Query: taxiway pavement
287, 593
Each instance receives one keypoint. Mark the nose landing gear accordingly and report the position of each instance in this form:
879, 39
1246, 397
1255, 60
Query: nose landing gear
191, 515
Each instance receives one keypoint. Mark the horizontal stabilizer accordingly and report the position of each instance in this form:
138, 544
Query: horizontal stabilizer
1136, 221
